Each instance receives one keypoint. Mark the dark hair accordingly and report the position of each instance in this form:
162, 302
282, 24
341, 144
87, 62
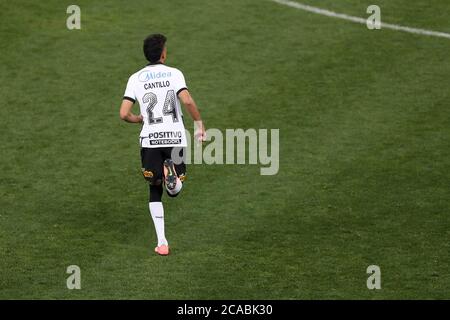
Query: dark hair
154, 46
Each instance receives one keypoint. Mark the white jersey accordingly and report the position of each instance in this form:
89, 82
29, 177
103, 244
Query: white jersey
156, 88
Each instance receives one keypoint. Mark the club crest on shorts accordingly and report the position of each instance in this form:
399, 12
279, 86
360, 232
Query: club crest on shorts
147, 174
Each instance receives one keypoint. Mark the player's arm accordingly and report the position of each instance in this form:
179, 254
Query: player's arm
127, 115
191, 107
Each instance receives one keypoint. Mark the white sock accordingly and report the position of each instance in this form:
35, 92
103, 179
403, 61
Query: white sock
157, 212
177, 188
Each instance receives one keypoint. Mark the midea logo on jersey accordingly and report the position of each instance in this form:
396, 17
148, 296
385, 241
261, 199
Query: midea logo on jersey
146, 75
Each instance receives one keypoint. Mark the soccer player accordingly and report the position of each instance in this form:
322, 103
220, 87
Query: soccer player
159, 89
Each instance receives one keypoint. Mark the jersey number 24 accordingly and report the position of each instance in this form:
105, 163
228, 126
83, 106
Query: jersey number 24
169, 108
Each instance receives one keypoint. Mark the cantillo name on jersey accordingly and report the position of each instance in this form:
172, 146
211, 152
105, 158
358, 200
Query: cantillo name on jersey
156, 88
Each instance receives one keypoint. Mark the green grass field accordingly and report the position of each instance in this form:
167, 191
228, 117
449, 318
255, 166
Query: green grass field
364, 152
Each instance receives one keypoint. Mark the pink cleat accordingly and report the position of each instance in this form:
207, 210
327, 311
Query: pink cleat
162, 250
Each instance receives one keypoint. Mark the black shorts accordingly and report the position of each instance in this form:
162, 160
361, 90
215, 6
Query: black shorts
153, 161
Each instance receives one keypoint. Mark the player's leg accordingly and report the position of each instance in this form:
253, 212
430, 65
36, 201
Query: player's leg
174, 171
152, 170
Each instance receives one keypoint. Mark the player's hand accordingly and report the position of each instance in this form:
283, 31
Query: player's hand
200, 132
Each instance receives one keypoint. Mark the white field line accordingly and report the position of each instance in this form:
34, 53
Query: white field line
342, 16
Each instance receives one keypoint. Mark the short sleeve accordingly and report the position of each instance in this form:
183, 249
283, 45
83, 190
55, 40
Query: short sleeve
180, 82
129, 91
